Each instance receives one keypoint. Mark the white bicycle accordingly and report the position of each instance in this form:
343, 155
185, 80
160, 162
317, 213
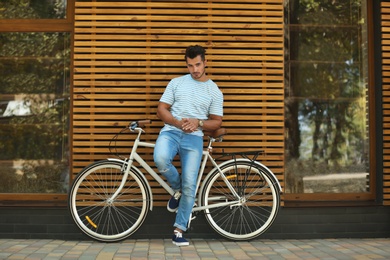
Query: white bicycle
110, 199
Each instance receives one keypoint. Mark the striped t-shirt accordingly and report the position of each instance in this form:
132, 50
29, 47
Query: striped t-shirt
190, 98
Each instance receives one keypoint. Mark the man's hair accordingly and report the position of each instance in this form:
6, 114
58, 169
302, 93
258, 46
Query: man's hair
195, 50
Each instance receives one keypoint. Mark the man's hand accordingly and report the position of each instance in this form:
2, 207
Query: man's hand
189, 125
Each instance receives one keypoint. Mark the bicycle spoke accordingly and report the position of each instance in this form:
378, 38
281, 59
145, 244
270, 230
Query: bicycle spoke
253, 213
97, 213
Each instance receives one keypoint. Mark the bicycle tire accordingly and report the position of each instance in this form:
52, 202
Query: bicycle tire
259, 205
97, 217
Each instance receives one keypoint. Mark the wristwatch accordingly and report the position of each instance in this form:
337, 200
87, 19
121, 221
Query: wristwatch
200, 123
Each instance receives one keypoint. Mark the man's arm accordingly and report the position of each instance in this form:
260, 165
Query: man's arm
187, 124
211, 124
164, 113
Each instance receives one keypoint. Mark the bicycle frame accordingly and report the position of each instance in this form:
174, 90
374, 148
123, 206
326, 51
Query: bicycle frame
134, 156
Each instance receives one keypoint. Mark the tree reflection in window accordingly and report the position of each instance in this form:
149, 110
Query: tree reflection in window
34, 112
33, 9
326, 97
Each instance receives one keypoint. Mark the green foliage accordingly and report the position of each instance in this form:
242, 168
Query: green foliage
32, 9
36, 62
34, 69
326, 111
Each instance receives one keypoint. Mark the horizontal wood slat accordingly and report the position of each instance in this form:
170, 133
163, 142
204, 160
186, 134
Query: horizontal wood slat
125, 53
385, 9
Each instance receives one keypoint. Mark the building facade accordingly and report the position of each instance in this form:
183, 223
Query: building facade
304, 81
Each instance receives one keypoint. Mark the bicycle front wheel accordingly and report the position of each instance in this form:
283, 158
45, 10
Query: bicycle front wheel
248, 216
96, 213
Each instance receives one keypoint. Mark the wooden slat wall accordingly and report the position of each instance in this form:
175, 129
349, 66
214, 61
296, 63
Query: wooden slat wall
125, 53
386, 99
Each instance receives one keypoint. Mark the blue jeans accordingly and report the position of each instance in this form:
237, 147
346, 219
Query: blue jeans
189, 147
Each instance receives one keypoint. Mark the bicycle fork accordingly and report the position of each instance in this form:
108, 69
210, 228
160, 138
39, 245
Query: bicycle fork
125, 169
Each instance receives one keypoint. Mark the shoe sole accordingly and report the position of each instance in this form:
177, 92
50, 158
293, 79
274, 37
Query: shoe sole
171, 210
181, 244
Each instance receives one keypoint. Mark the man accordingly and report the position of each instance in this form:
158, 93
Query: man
190, 104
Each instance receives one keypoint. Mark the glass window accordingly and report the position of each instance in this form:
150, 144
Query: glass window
33, 9
327, 145
34, 112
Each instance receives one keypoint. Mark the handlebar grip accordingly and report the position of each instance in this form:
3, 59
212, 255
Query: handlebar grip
142, 123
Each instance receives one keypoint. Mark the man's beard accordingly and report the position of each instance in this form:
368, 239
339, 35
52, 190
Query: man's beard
200, 75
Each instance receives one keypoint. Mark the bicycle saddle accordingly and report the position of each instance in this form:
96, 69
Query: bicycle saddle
216, 133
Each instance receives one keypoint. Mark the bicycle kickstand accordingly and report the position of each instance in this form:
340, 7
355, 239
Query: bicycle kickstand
192, 217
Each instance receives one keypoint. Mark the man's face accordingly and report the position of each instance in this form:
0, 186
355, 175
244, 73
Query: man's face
197, 68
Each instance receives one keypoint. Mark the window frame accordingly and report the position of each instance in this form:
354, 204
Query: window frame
42, 25
348, 199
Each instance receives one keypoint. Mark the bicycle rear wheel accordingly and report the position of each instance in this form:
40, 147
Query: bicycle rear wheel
95, 214
257, 208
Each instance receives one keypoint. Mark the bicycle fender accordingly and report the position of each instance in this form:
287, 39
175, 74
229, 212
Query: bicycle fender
139, 175
272, 174
255, 162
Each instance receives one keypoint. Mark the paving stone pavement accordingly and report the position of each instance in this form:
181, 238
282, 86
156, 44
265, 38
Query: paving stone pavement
378, 248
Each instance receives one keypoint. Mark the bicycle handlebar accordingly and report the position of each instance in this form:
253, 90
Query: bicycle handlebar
141, 124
